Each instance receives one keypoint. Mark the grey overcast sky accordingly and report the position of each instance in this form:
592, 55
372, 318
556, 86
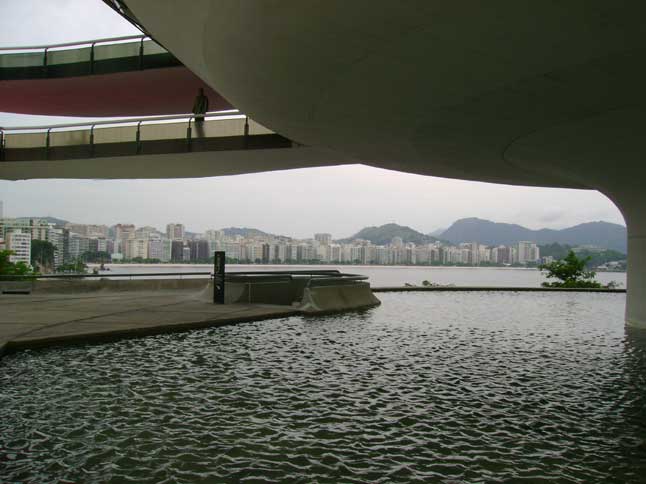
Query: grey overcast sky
339, 200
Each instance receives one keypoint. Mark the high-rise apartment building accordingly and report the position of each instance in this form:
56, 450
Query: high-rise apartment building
156, 249
122, 232
199, 250
136, 248
527, 252
88, 230
214, 235
177, 251
19, 242
323, 239
175, 231
146, 232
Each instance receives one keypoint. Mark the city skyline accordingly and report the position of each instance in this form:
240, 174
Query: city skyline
301, 202
74, 243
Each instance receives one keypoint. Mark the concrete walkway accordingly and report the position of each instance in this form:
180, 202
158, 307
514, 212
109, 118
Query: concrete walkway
28, 321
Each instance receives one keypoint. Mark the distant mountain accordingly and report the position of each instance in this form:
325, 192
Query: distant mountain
437, 232
384, 234
601, 234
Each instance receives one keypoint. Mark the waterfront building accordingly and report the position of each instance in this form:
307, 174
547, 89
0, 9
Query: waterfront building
136, 248
175, 231
88, 230
527, 252
38, 228
122, 232
146, 232
177, 251
56, 238
324, 239
97, 244
214, 235
167, 245
19, 242
200, 251
156, 249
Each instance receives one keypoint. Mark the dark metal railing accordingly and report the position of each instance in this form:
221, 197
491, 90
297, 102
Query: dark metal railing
319, 275
46, 61
31, 277
7, 131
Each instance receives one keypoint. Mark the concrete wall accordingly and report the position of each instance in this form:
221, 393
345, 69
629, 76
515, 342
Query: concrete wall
80, 286
329, 299
287, 292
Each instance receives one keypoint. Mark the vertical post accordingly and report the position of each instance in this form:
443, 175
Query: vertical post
246, 132
218, 277
141, 53
138, 137
45, 61
189, 134
1, 144
92, 141
47, 144
92, 58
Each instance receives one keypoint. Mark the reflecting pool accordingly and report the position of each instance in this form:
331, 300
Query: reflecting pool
428, 387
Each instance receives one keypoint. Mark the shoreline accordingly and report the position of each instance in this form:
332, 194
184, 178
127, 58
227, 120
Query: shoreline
371, 266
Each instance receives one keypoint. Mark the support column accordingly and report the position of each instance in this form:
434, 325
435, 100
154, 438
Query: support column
633, 207
636, 277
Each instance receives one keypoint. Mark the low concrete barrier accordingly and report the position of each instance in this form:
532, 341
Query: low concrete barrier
344, 297
294, 292
80, 286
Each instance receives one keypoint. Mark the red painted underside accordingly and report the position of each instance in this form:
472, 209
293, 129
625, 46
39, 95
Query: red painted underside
138, 93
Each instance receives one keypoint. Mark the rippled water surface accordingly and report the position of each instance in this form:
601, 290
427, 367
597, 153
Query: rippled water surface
429, 387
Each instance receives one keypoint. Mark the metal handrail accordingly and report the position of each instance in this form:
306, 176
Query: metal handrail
225, 113
71, 44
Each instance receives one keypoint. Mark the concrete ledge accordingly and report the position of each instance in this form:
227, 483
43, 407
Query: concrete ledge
107, 335
82, 311
331, 299
485, 288
75, 286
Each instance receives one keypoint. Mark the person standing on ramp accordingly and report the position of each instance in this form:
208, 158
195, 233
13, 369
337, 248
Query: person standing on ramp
200, 108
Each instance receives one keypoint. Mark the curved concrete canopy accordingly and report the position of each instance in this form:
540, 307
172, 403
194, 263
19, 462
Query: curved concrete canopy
529, 93
430, 87
151, 92
193, 165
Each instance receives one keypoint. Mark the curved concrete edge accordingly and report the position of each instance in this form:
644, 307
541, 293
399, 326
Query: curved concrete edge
332, 299
636, 324
492, 288
138, 332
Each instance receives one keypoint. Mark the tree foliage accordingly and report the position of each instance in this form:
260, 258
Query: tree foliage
8, 268
571, 272
42, 254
